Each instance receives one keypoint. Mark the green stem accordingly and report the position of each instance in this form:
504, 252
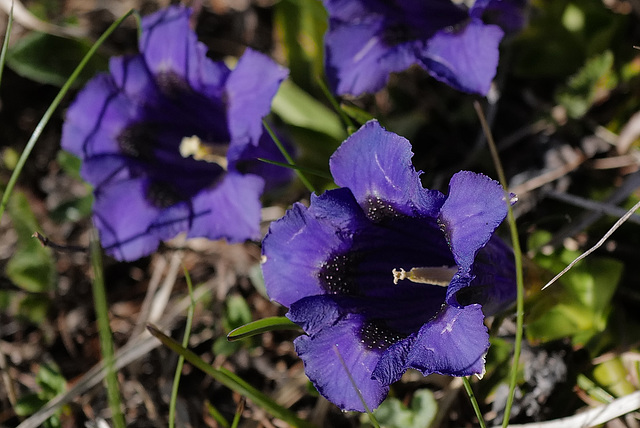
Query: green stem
474, 402
106, 342
288, 157
47, 115
5, 45
517, 253
185, 343
312, 171
345, 117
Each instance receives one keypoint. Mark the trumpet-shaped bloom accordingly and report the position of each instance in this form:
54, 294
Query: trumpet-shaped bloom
368, 39
169, 140
384, 275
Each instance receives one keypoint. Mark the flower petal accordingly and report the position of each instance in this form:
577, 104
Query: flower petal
494, 283
508, 14
465, 59
249, 94
358, 59
95, 118
230, 210
170, 46
453, 344
474, 208
335, 358
125, 237
376, 165
298, 244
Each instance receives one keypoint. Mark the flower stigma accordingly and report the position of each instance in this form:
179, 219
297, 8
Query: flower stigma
212, 153
426, 275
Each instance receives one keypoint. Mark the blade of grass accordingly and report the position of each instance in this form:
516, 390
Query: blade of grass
216, 415
239, 410
106, 342
287, 156
47, 115
185, 343
6, 377
598, 244
5, 44
231, 381
348, 123
298, 168
474, 402
517, 253
261, 326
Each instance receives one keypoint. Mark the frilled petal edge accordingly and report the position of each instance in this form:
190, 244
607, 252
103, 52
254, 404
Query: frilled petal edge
337, 362
454, 343
474, 208
387, 177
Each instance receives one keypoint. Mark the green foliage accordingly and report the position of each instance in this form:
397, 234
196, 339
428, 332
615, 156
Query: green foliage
232, 382
301, 25
50, 59
51, 383
579, 304
31, 267
546, 49
237, 314
261, 326
298, 108
392, 413
613, 376
594, 80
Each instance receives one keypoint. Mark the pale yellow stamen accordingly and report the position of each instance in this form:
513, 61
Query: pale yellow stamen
426, 275
213, 153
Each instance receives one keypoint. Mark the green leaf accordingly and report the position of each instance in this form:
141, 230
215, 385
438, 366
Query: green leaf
301, 25
594, 80
50, 59
359, 115
579, 305
262, 326
393, 414
31, 267
298, 108
238, 312
50, 379
613, 376
232, 382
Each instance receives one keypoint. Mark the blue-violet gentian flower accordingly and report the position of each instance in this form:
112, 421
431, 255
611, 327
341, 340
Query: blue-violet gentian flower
369, 39
169, 140
384, 275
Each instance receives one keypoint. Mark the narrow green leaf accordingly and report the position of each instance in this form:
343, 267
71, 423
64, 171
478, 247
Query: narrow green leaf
231, 381
298, 168
106, 341
5, 44
49, 59
298, 108
262, 326
360, 115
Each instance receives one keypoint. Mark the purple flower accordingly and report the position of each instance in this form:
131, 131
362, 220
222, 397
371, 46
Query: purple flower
169, 140
384, 275
368, 39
